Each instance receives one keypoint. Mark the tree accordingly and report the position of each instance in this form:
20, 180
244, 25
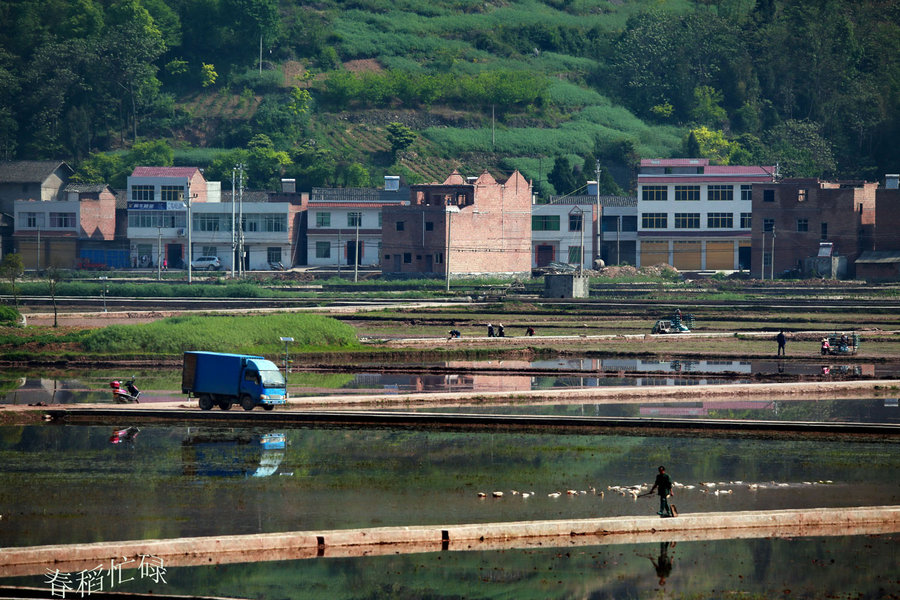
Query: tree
11, 268
54, 276
400, 137
707, 109
800, 149
264, 163
561, 176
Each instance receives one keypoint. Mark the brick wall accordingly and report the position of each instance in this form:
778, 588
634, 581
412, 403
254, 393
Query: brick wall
98, 215
843, 214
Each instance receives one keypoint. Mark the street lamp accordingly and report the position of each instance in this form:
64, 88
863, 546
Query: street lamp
287, 361
449, 209
104, 290
190, 226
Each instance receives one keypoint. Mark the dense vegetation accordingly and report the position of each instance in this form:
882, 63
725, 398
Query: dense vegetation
309, 90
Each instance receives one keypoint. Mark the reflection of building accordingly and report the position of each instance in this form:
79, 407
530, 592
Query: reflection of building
481, 226
696, 216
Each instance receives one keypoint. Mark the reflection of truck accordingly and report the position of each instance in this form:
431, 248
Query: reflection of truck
232, 454
223, 379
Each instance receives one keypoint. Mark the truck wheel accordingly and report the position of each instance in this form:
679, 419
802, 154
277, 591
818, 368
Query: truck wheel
225, 404
268, 406
206, 402
247, 403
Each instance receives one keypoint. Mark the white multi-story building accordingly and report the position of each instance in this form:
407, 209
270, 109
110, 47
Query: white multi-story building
696, 216
344, 224
564, 230
158, 229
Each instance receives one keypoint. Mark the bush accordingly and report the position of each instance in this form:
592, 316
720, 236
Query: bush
9, 316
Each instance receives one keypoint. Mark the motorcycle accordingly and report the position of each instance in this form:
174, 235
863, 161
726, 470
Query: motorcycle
120, 436
123, 396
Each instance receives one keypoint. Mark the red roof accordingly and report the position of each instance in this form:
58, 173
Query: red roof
674, 162
164, 171
712, 178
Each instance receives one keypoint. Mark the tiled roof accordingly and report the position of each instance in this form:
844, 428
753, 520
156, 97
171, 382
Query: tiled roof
164, 171
359, 195
879, 257
604, 200
29, 171
86, 188
674, 162
249, 196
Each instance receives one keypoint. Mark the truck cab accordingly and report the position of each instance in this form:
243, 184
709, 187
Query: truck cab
264, 382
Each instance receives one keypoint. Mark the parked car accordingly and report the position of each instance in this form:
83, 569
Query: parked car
210, 263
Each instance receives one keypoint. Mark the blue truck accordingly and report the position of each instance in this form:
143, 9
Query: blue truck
222, 380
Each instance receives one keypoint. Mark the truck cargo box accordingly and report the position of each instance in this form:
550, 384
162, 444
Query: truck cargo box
213, 373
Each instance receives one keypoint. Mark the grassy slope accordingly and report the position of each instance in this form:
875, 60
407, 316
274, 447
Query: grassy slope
433, 37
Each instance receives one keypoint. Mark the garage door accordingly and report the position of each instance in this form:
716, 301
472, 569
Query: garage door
687, 256
654, 253
720, 256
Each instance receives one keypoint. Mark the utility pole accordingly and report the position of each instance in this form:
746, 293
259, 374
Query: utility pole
241, 221
158, 253
233, 249
772, 266
762, 258
190, 229
356, 250
599, 241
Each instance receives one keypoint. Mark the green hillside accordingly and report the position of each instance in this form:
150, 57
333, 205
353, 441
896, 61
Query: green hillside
309, 90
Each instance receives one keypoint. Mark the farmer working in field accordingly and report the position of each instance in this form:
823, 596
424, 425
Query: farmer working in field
663, 485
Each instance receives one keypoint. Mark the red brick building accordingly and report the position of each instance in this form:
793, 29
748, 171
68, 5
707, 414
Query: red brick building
799, 214
883, 263
483, 226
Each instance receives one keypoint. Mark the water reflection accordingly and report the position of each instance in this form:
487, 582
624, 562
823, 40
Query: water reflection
756, 568
450, 376
232, 454
68, 484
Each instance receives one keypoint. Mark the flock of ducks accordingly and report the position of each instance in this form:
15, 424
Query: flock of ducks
635, 491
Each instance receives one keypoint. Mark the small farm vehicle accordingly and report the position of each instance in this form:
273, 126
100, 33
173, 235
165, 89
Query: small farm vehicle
677, 324
840, 344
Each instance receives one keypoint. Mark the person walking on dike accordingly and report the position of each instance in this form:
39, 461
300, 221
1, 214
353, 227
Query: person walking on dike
663, 485
781, 342
490, 330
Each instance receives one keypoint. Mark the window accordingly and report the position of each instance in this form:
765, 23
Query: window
654, 193
575, 221
274, 223
720, 192
824, 231
802, 224
767, 259
401, 225
429, 225
379, 219
768, 224
273, 254
746, 192
439, 258
207, 222
142, 193
62, 220
171, 193
768, 195
251, 223
323, 219
720, 220
687, 193
407, 257
801, 195
354, 219
209, 251
545, 222
654, 220
323, 249
34, 220
629, 223
575, 254
687, 220
746, 220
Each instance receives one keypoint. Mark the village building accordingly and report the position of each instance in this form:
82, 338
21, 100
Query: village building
461, 228
696, 216
344, 225
28, 180
813, 228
